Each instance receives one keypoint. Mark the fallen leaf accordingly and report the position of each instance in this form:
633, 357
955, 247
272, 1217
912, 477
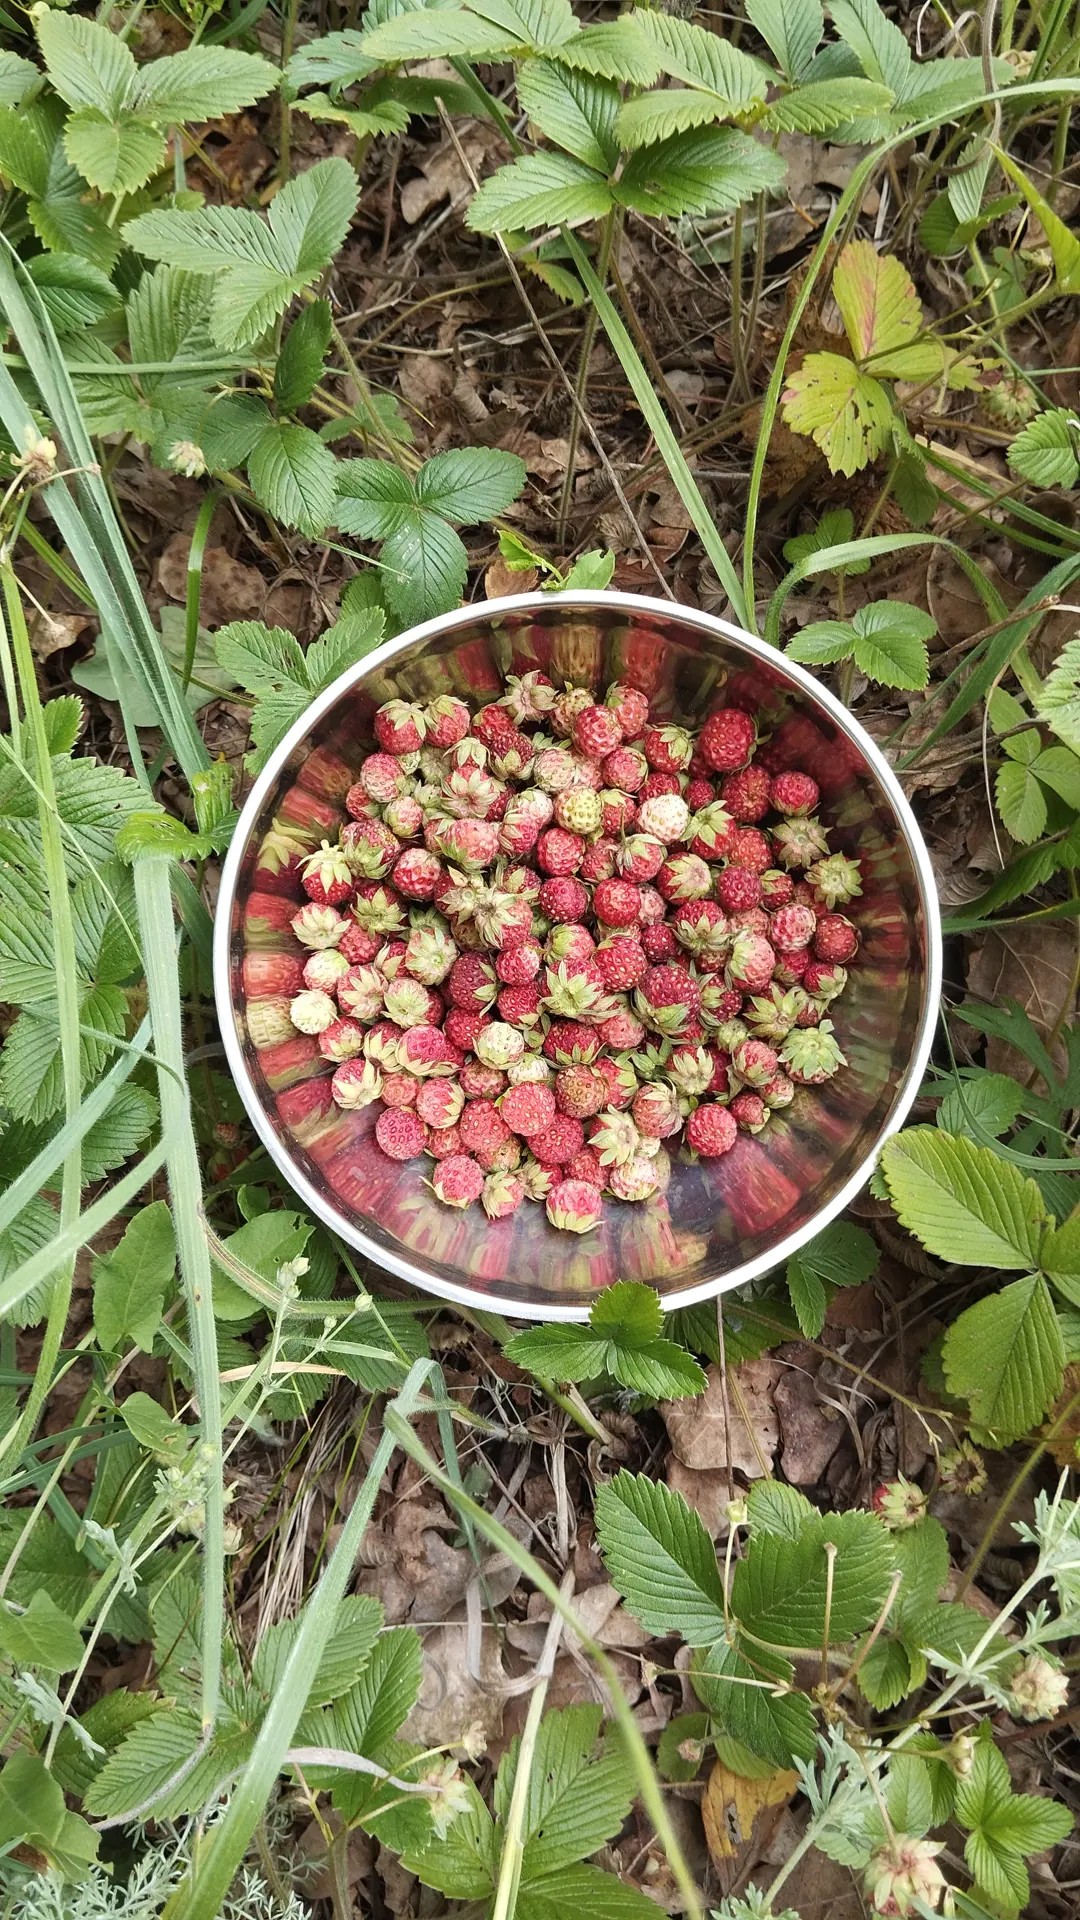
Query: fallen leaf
732, 1805
707, 1489
810, 1432
1034, 966
451, 1697
443, 177
699, 1429
229, 591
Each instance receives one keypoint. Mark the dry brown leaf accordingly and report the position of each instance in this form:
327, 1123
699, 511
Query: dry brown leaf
810, 1432
443, 177
732, 1805
1034, 966
1064, 1444
52, 632
230, 590
705, 1489
699, 1431
452, 1698
426, 382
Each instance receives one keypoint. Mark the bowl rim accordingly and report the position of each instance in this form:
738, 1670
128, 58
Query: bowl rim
461, 1294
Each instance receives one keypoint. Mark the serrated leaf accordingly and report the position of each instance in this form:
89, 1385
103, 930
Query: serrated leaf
575, 110
821, 106
889, 1671
808, 1297
660, 1558
889, 644
470, 484
773, 1507
154, 1752
336, 59
261, 658
963, 1201
590, 571
300, 362
777, 1726
782, 1591
294, 476
1004, 1825
539, 190
24, 156
1047, 450
201, 83
878, 45
846, 412
710, 171
980, 1103
425, 566
791, 29
579, 1792
1020, 801
75, 294
1059, 701
258, 263
115, 156
41, 1636
130, 1283
877, 300
17, 76
374, 498
463, 1863
582, 1890
822, 643
1063, 243
1059, 769
64, 217
354, 1634
1005, 1358
702, 59
656, 116
623, 1339
448, 33
612, 50
88, 65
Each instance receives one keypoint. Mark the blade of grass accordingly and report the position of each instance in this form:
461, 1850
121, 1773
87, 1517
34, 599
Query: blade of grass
193, 592
154, 901
15, 1286
203, 1889
831, 559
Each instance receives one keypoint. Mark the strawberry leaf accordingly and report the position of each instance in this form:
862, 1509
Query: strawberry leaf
846, 412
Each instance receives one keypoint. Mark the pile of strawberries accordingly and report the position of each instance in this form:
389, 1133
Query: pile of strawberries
559, 939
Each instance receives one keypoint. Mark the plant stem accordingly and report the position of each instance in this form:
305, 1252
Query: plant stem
608, 234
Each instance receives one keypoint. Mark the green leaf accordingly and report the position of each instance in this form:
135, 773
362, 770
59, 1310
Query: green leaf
426, 565
778, 1726
1059, 769
153, 1427
355, 1633
300, 362
1063, 243
582, 1890
463, 1863
151, 1756
201, 83
258, 264
613, 50
710, 171
821, 106
294, 476
574, 110
88, 65
791, 29
1020, 801
113, 1138
1003, 1825
24, 155
539, 190
808, 1297
17, 76
374, 498
1059, 701
878, 45
656, 116
823, 642
979, 1103
963, 1201
590, 571
690, 1730
910, 1797
702, 59
260, 658
890, 1671
623, 1338
890, 643
781, 1592
41, 1636
470, 484
75, 294
1005, 1358
842, 1256
579, 1792
131, 1282
265, 1244
774, 1507
877, 300
1047, 451
115, 156
446, 33
660, 1558
846, 413
31, 1803
1059, 1257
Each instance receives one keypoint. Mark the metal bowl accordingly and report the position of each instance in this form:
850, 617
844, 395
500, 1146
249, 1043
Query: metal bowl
722, 1222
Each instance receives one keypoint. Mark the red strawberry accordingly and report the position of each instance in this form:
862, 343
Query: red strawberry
569, 1041
750, 962
278, 973
564, 899
520, 1006
586, 1166
747, 847
478, 1082
668, 999
327, 878
626, 768
400, 726
793, 793
461, 1026
617, 811
777, 889
574, 1206
622, 961
597, 732
699, 793
302, 812
517, 966
417, 873
470, 984
358, 945
749, 1111
446, 721
640, 858
616, 903
441, 1142
482, 1127
835, 939
737, 888
711, 1131
727, 740
492, 724
657, 785
659, 943
559, 852
558, 1142
400, 1134
399, 1090
528, 1109
598, 861
580, 1092
746, 795
630, 707
684, 876
668, 749
792, 927
459, 1180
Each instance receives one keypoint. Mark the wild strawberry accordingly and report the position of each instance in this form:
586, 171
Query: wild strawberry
426, 1049
835, 939
622, 1031
458, 1181
777, 889
566, 707
478, 1082
327, 877
382, 1045
655, 1111
324, 969
357, 944
622, 1082
574, 1206
668, 749
303, 813
439, 1102
598, 861
579, 811
791, 928
490, 724
558, 852
279, 860
471, 844
446, 721
502, 1195
614, 1136
399, 1090
778, 1092
528, 1109
691, 1070
405, 1002
499, 1045
747, 847
568, 1041
709, 832
512, 756
667, 999
400, 1133
597, 732
527, 814
811, 1055
1038, 1688
746, 795
903, 1876
378, 907
618, 812
793, 793
342, 1040
700, 792
585, 1166
823, 980
701, 927
750, 963
637, 1180
441, 1142
417, 873
400, 727
835, 880
430, 953
658, 786
630, 707
652, 909
799, 843
470, 984
749, 1111
313, 1011
520, 1006
482, 1126
355, 1084
569, 941
711, 1131
381, 778
667, 817
468, 793
516, 966
658, 943
737, 888
360, 994
528, 697
278, 973
559, 1141
564, 899
616, 903
755, 1063
684, 876
640, 857
622, 961
555, 768
719, 1003
727, 740
580, 1092
626, 769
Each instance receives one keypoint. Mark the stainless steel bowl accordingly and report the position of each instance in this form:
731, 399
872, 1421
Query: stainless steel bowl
721, 1223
